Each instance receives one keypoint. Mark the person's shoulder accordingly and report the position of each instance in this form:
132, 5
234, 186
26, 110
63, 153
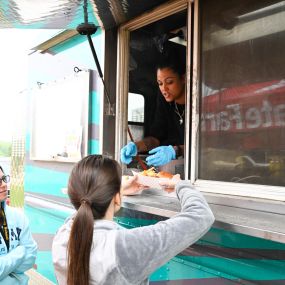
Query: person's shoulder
16, 216
61, 237
14, 211
65, 228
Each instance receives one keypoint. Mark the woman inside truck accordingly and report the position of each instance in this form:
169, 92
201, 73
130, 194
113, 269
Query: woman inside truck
90, 248
166, 139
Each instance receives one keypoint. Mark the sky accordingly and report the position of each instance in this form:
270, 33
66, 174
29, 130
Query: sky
14, 49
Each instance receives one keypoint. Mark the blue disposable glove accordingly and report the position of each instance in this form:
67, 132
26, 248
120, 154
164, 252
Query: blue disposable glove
161, 155
127, 152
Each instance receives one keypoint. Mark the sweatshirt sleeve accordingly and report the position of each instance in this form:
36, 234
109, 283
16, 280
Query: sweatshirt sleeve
141, 251
27, 241
15, 279
11, 261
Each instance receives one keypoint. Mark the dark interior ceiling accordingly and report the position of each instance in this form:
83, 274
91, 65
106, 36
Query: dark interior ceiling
147, 46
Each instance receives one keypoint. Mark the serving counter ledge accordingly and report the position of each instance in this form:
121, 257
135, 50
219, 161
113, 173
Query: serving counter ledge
254, 217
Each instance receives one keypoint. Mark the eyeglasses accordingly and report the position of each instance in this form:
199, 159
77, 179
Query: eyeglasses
5, 178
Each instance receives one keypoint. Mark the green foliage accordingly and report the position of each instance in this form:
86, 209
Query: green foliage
5, 149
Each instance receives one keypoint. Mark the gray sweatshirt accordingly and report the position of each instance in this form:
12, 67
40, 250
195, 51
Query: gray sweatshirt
128, 256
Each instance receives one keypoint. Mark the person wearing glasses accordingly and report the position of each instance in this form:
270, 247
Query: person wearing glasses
165, 141
17, 246
90, 248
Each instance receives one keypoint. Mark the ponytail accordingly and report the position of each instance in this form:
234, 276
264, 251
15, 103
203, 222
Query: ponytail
93, 183
79, 246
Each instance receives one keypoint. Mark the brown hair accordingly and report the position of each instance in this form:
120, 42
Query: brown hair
93, 183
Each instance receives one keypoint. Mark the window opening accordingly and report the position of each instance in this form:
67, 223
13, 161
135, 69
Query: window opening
149, 45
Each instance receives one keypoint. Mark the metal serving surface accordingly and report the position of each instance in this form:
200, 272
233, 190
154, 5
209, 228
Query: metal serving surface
259, 218
252, 217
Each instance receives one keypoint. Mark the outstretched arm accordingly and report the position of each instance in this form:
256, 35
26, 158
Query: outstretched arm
141, 251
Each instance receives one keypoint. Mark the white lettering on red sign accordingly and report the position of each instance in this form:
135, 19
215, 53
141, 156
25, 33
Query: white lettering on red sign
234, 117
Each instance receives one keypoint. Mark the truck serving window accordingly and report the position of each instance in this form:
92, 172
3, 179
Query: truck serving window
242, 88
160, 42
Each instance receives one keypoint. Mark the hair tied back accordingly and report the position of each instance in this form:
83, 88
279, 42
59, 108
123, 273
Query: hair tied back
85, 202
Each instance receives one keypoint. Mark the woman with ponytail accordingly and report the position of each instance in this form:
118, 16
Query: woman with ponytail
92, 249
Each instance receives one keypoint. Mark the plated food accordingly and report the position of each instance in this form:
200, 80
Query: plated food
152, 173
161, 180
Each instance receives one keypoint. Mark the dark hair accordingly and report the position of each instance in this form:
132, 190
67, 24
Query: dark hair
176, 64
174, 59
93, 183
1, 169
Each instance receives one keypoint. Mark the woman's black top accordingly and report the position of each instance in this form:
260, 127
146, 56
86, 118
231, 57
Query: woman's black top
166, 126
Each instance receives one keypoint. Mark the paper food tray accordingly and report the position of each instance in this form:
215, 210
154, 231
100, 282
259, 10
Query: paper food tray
131, 194
152, 182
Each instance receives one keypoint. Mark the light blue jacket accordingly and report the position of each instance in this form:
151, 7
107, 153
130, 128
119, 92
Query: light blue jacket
128, 256
23, 249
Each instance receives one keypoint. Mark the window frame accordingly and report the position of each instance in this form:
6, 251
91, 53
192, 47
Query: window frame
122, 88
210, 186
232, 203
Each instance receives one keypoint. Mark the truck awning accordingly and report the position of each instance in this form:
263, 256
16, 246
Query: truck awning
66, 14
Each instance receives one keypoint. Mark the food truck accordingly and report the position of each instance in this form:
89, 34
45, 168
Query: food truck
234, 149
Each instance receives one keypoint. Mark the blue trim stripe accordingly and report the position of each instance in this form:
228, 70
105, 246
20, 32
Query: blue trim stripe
95, 108
203, 281
175, 270
246, 269
77, 50
219, 236
93, 147
46, 181
28, 142
45, 265
43, 221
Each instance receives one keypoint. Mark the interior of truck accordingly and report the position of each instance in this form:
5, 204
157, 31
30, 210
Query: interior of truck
147, 45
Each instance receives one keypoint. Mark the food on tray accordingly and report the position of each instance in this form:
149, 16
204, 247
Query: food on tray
151, 173
164, 174
162, 180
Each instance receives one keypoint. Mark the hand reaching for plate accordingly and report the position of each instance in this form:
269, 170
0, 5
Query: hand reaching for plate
130, 186
169, 185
